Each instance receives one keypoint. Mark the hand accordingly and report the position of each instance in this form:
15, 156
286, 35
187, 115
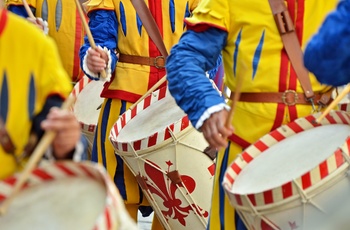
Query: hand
67, 127
215, 131
96, 60
40, 23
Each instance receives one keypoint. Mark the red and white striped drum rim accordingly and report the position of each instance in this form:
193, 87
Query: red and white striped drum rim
154, 138
68, 169
344, 107
289, 189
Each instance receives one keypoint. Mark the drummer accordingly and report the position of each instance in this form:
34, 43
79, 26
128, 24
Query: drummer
328, 53
63, 24
140, 65
32, 83
247, 35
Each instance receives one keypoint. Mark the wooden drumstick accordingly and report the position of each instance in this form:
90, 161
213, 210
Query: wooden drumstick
28, 10
334, 103
37, 155
234, 97
88, 32
153, 88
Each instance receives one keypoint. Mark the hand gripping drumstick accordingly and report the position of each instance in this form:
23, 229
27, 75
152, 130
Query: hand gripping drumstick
88, 32
33, 160
334, 103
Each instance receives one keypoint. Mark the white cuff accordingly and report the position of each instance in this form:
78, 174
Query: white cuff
207, 113
108, 69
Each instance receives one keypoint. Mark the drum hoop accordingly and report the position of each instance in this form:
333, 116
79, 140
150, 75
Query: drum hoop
303, 183
68, 169
153, 139
79, 86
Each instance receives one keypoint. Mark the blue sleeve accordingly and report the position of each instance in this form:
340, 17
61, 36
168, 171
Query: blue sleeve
328, 53
104, 26
217, 73
186, 65
19, 10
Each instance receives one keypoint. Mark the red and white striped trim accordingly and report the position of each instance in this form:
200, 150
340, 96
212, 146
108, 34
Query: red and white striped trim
60, 170
79, 86
344, 107
155, 138
289, 189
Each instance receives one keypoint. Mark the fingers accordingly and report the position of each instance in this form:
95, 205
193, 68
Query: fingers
59, 119
67, 129
215, 131
96, 60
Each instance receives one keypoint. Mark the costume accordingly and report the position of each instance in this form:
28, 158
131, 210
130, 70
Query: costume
65, 27
327, 54
246, 33
30, 72
116, 27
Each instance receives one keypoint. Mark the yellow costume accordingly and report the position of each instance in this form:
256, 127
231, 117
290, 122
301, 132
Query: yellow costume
30, 71
116, 26
252, 50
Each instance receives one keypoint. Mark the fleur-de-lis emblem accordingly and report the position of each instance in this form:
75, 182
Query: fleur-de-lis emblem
160, 185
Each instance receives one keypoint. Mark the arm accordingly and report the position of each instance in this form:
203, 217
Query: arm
104, 26
327, 55
196, 53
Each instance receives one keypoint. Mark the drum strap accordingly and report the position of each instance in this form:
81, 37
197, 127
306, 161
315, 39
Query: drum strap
5, 139
150, 25
291, 44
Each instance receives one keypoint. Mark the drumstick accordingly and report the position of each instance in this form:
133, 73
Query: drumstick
334, 103
28, 10
39, 151
234, 97
88, 32
153, 88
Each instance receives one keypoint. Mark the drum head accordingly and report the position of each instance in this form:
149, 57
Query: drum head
88, 100
290, 158
153, 119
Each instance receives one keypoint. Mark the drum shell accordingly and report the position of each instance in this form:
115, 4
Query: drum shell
301, 201
56, 175
180, 154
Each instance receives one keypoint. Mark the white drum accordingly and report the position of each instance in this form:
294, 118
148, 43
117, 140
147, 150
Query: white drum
165, 153
65, 196
88, 100
295, 177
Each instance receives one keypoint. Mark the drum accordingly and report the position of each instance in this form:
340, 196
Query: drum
295, 177
86, 107
65, 196
165, 153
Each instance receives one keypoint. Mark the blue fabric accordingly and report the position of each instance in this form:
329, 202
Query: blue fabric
19, 10
328, 53
104, 29
187, 66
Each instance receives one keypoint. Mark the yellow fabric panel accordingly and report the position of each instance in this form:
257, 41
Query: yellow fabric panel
32, 55
133, 78
62, 28
99, 4
249, 29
